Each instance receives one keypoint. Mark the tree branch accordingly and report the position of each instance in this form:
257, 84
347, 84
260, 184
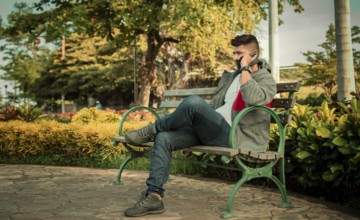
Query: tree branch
171, 39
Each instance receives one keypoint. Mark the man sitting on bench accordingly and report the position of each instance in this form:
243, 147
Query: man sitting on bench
195, 122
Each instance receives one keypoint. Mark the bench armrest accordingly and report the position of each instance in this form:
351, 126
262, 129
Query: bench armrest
273, 114
134, 109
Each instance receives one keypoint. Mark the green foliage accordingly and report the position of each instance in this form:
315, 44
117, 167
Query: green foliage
28, 113
321, 68
313, 99
74, 140
87, 115
323, 150
9, 113
24, 57
90, 65
74, 144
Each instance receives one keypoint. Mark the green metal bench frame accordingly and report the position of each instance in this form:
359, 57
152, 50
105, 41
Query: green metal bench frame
265, 161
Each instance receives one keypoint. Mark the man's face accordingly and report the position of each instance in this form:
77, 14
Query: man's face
243, 51
239, 51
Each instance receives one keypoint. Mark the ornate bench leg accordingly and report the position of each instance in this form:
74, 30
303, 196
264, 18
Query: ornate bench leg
281, 184
285, 202
122, 167
228, 213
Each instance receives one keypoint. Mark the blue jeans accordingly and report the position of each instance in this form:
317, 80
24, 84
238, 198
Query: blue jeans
193, 122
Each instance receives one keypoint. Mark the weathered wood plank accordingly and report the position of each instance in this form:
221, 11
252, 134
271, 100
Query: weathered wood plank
174, 104
264, 156
282, 103
217, 150
226, 151
288, 87
188, 92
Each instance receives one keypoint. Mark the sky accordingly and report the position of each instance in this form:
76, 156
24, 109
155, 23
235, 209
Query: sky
301, 32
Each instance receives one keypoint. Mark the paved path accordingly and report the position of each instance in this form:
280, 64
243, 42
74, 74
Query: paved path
47, 192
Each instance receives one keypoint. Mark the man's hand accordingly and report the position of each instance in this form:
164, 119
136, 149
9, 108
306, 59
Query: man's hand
247, 58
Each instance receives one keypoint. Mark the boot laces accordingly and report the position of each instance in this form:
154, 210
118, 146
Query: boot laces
141, 203
144, 133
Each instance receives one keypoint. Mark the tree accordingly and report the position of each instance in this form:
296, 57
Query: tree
24, 55
321, 68
200, 28
345, 63
89, 70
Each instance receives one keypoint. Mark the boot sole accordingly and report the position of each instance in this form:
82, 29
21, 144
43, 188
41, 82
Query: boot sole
133, 143
146, 213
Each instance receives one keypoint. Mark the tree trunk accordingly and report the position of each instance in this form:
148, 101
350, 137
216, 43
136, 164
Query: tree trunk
170, 62
154, 42
345, 63
63, 48
184, 74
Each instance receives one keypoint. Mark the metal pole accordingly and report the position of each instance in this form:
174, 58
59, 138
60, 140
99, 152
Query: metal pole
274, 39
135, 74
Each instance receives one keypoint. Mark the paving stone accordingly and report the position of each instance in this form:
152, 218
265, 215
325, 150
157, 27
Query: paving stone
49, 192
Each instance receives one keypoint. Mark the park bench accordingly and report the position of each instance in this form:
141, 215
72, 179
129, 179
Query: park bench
244, 159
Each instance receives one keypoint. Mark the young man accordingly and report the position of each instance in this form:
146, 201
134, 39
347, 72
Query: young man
195, 122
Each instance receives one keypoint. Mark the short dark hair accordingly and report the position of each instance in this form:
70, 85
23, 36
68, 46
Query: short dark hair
245, 39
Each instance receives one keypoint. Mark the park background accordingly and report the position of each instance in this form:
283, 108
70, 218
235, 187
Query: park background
323, 141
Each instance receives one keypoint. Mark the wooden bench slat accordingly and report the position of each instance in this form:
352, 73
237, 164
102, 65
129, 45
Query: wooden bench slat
288, 87
173, 104
282, 103
265, 156
226, 151
188, 92
170, 104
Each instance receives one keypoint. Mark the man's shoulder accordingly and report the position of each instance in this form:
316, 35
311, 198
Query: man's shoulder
228, 73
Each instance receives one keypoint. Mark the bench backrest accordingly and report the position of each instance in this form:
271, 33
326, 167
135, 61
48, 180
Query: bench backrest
282, 104
285, 101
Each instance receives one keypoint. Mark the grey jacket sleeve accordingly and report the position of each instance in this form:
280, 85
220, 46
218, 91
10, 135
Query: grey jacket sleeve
259, 90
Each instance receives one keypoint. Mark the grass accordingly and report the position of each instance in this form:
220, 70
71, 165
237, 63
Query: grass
305, 91
177, 166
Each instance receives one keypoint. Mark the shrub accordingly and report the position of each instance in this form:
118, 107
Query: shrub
9, 113
312, 99
29, 113
50, 142
323, 151
87, 115
74, 140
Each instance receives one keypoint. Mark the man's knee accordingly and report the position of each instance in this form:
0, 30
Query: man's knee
193, 100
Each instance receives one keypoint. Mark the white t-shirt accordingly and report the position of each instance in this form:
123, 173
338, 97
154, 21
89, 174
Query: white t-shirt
230, 96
